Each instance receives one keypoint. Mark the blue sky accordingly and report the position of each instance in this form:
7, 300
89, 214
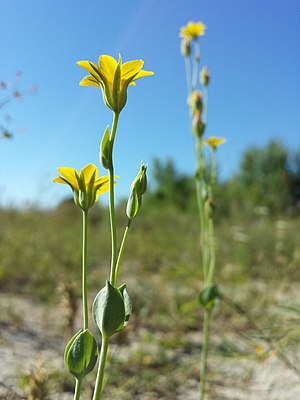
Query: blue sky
251, 48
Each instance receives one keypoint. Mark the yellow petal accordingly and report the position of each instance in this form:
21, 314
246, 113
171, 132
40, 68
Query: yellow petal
88, 173
58, 179
69, 174
90, 67
143, 73
89, 81
108, 66
130, 68
103, 188
101, 180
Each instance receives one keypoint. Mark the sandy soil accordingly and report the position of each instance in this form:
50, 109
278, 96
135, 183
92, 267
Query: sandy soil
29, 329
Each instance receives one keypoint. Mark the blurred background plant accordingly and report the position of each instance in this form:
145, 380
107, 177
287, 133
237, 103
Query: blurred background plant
11, 91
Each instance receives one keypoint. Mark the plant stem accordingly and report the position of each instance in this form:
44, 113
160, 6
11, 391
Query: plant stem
188, 74
112, 204
203, 367
77, 390
84, 263
212, 251
205, 104
122, 250
196, 63
101, 368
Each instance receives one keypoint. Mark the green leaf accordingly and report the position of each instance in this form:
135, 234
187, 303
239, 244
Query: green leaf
81, 354
127, 303
105, 149
69, 345
109, 310
209, 296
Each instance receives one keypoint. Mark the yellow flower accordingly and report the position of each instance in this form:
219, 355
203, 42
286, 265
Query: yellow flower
214, 142
113, 77
192, 30
86, 185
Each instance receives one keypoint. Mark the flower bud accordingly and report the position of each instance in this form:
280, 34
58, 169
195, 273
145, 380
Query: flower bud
137, 189
196, 103
105, 149
204, 76
186, 47
140, 182
197, 125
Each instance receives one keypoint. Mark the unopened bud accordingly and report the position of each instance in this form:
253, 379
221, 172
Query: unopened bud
140, 182
138, 188
204, 76
105, 149
185, 47
197, 125
196, 103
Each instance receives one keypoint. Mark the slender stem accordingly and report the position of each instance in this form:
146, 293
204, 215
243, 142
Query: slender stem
84, 263
77, 390
112, 204
196, 63
205, 104
101, 368
203, 367
188, 74
121, 250
212, 252
213, 169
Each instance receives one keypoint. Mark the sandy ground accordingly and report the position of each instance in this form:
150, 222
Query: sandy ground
29, 329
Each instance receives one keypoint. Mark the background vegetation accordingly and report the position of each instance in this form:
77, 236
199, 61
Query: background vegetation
258, 257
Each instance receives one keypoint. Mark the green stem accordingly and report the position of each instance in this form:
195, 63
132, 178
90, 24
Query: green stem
112, 204
205, 104
84, 263
188, 74
121, 250
196, 63
203, 367
212, 252
101, 368
77, 390
213, 169
200, 204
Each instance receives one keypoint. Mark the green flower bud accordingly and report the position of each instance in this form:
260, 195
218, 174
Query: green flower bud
204, 76
140, 182
133, 204
138, 188
185, 47
105, 149
197, 125
196, 103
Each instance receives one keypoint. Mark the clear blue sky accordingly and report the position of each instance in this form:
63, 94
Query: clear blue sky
251, 48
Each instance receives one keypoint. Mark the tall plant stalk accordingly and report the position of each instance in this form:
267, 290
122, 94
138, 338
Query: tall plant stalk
204, 179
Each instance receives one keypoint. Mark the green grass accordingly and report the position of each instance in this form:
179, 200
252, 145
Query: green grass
257, 267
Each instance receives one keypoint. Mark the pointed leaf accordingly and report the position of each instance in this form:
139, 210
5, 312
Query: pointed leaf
109, 310
81, 354
127, 303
